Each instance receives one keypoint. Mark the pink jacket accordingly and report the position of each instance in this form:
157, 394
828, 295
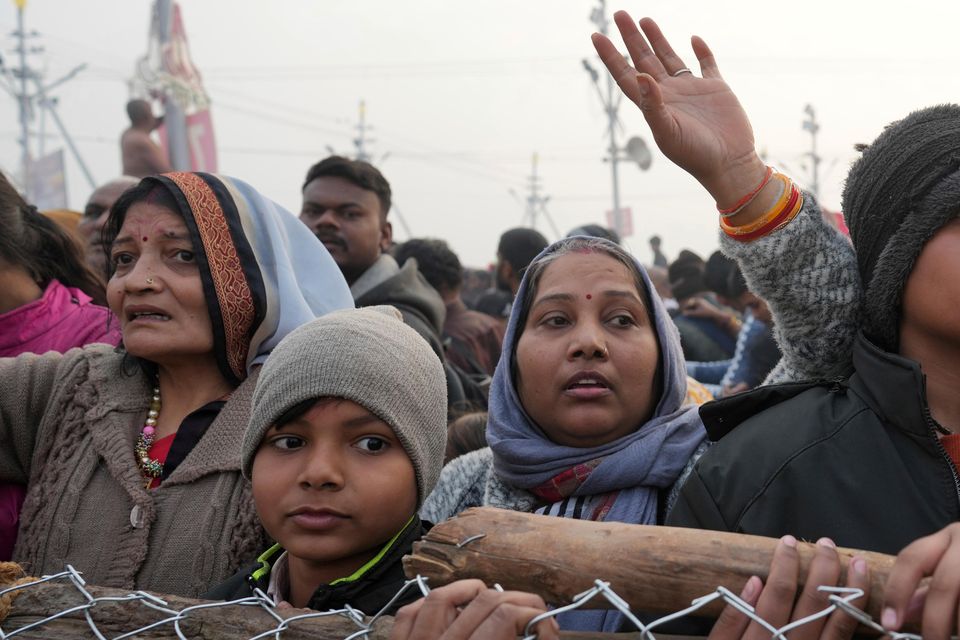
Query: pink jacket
62, 319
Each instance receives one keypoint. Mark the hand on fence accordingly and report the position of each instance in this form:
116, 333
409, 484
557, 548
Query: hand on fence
936, 604
467, 609
774, 602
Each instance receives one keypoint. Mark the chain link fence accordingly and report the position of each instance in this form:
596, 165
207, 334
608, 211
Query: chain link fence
172, 620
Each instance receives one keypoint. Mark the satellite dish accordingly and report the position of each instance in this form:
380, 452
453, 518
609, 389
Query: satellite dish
638, 151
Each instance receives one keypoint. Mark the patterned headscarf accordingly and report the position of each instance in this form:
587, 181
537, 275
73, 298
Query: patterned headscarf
263, 272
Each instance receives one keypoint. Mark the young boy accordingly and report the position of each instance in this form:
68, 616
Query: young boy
346, 439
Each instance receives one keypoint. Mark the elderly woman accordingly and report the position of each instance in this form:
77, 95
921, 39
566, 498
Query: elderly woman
131, 456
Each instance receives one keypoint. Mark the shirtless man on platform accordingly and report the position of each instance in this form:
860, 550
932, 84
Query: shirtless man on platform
140, 154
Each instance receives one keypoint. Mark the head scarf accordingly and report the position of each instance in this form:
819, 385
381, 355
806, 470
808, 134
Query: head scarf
263, 272
631, 470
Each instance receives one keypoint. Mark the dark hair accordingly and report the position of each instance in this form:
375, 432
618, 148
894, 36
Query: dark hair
465, 434
520, 246
147, 190
360, 173
736, 283
37, 244
435, 260
686, 275
139, 111
716, 273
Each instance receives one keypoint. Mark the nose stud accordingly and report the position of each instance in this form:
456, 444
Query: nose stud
149, 280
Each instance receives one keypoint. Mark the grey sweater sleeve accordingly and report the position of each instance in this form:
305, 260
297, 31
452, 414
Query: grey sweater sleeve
27, 384
807, 273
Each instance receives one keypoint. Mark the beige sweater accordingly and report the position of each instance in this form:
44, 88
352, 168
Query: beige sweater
67, 427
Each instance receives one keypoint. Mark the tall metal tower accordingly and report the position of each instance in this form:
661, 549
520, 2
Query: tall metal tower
611, 104
361, 141
536, 202
19, 81
811, 125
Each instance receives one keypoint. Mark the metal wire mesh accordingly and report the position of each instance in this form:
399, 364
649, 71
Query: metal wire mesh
840, 599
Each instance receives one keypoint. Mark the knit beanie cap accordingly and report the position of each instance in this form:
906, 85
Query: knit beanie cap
904, 188
368, 356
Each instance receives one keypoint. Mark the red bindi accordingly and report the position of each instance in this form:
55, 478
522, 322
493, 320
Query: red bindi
589, 297
144, 238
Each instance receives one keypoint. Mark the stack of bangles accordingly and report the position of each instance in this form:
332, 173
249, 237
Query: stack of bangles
785, 209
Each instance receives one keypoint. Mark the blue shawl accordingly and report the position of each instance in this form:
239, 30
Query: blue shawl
636, 467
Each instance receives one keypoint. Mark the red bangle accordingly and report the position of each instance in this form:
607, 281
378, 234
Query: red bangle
747, 199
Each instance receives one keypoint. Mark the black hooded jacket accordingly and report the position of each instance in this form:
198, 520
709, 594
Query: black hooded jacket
857, 460
369, 593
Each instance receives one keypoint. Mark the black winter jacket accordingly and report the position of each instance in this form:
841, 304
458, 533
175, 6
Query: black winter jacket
370, 593
857, 460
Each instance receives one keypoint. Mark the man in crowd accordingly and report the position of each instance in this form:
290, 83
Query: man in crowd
516, 250
659, 260
473, 339
703, 339
95, 215
345, 204
141, 156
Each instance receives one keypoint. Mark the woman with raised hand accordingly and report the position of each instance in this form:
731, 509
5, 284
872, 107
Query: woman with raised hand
590, 412
131, 456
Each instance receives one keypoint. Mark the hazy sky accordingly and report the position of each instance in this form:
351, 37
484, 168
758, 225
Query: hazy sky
461, 95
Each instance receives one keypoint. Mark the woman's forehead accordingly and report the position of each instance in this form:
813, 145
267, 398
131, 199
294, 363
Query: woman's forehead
158, 219
576, 270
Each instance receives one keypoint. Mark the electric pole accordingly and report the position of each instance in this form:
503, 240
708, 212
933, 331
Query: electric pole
174, 116
26, 111
361, 140
811, 125
611, 104
361, 143
536, 203
26, 76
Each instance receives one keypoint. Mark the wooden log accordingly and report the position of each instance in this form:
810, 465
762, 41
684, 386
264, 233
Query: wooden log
221, 623
115, 618
656, 569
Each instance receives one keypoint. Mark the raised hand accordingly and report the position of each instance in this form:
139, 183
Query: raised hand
697, 122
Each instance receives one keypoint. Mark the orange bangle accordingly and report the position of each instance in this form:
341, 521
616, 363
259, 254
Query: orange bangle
771, 213
747, 199
788, 213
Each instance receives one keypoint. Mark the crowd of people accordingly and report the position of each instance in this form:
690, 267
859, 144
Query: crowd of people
204, 394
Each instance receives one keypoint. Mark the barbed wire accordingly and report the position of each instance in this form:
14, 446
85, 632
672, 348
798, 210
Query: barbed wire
841, 599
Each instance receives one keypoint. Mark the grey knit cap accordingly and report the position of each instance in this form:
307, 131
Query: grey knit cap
904, 188
368, 356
